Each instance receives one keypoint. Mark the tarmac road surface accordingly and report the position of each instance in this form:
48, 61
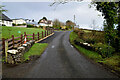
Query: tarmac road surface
62, 60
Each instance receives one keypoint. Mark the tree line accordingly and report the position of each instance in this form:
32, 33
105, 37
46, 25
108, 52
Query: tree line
58, 24
111, 13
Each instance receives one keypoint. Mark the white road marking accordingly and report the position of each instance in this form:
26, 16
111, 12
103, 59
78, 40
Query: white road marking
53, 46
71, 46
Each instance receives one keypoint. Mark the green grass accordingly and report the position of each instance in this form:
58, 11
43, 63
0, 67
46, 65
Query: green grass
7, 32
73, 36
91, 54
112, 62
87, 31
36, 49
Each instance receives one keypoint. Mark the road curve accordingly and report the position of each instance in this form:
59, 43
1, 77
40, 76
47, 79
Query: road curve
62, 60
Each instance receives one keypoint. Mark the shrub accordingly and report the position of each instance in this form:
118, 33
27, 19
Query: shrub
3, 25
24, 24
76, 30
66, 28
90, 41
80, 34
30, 26
79, 40
104, 50
18, 24
13, 24
41, 26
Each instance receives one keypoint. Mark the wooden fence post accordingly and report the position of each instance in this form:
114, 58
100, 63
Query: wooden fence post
42, 34
13, 40
38, 35
3, 45
33, 36
45, 33
50, 31
21, 38
53, 31
6, 49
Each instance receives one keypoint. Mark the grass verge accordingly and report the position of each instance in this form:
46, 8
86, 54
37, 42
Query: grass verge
91, 54
112, 62
36, 49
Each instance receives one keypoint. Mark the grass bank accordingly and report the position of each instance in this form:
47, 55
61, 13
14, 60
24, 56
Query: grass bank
112, 62
36, 49
91, 54
7, 32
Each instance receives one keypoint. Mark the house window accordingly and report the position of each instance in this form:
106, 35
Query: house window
2, 21
6, 22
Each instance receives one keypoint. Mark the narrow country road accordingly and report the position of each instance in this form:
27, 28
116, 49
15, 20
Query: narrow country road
62, 60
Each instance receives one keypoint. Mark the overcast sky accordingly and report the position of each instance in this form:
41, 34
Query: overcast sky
37, 10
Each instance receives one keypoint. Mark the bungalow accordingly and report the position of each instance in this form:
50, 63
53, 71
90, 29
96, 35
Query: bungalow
19, 21
6, 21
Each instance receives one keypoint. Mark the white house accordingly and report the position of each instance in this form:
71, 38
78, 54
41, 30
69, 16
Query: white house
19, 21
44, 22
5, 21
50, 23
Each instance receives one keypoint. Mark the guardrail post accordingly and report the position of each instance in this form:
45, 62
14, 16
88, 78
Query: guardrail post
33, 36
3, 45
38, 35
13, 40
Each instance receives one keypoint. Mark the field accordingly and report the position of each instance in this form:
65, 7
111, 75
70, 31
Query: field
7, 32
36, 49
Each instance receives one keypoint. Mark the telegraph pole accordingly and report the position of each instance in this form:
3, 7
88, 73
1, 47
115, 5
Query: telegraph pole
74, 18
74, 21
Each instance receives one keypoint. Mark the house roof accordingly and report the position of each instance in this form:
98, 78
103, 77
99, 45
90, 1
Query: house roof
18, 19
45, 22
4, 17
35, 23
